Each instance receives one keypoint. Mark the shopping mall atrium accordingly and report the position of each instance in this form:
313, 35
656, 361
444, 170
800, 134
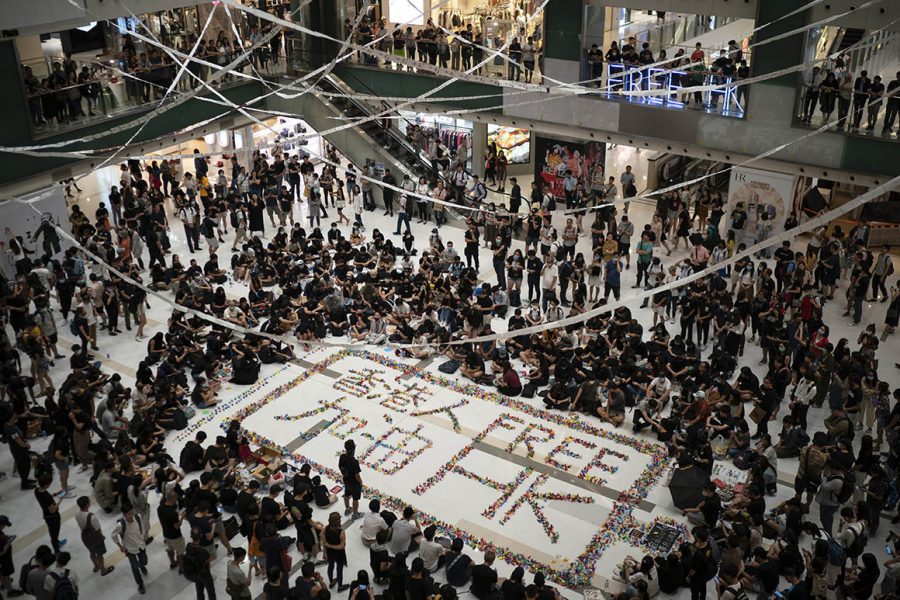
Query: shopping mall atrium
415, 299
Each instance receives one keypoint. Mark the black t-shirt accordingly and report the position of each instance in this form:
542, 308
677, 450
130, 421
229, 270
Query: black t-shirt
349, 467
712, 507
200, 555
418, 589
484, 578
168, 520
45, 499
268, 506
512, 590
204, 526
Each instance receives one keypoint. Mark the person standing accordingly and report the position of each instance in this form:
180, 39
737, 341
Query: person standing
528, 58
129, 537
19, 448
828, 495
334, 544
92, 536
196, 567
351, 474
625, 231
388, 192
860, 97
237, 583
644, 252
876, 93
629, 187
811, 83
884, 267
893, 104
170, 520
50, 509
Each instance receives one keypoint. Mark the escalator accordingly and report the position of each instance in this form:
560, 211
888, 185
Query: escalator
850, 37
671, 169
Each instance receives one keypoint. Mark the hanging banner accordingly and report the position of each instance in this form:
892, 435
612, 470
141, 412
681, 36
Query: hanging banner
765, 197
553, 158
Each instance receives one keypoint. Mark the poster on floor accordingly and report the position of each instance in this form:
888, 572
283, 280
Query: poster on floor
766, 196
553, 157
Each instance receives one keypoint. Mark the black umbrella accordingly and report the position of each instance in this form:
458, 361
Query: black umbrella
687, 486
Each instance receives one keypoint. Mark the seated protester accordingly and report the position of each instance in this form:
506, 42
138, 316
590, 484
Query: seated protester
458, 566
204, 393
104, 488
245, 366
380, 560
473, 367
513, 588
484, 577
405, 532
321, 494
433, 554
372, 523
558, 397
274, 352
418, 585
508, 383
706, 514
614, 411
586, 397
216, 456
761, 573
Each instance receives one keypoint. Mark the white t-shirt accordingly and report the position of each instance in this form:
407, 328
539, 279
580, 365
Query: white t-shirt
661, 385
549, 277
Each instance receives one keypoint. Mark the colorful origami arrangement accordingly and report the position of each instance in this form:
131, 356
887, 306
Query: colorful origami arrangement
618, 526
405, 448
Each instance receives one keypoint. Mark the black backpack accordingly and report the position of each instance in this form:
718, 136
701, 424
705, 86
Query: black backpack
848, 486
63, 589
191, 565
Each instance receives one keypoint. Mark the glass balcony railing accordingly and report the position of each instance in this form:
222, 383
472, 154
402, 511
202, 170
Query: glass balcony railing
60, 102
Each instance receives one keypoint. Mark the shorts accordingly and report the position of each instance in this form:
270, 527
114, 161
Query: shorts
212, 243
175, 546
353, 491
98, 549
53, 338
61, 465
623, 248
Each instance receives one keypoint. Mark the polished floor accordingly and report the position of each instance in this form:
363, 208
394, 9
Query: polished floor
121, 355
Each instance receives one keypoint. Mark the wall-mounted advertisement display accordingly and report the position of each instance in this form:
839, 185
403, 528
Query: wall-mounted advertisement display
515, 143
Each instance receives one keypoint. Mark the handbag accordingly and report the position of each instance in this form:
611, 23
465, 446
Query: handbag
189, 412
286, 561
450, 367
232, 527
757, 414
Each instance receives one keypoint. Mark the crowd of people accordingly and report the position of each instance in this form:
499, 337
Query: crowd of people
854, 97
676, 376
146, 72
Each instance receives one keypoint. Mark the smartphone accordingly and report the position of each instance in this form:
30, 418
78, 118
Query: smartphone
889, 549
363, 588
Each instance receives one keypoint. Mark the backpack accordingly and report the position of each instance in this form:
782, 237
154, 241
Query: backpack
73, 328
191, 565
858, 546
848, 486
837, 556
207, 228
63, 590
234, 219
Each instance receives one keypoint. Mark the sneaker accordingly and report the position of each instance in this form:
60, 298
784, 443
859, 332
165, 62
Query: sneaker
63, 542
347, 511
107, 571
141, 589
